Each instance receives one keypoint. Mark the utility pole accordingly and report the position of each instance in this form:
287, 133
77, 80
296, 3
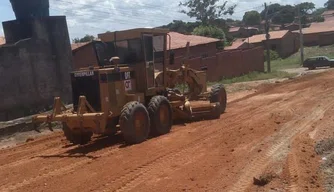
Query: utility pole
266, 27
301, 37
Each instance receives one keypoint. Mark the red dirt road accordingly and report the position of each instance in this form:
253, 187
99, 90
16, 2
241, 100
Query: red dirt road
271, 132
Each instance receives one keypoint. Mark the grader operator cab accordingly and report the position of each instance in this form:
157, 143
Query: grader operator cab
131, 90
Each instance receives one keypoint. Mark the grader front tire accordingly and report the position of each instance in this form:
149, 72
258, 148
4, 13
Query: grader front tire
218, 95
81, 138
160, 112
134, 123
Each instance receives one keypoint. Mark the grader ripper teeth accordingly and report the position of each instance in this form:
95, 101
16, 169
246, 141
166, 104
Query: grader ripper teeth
81, 119
136, 93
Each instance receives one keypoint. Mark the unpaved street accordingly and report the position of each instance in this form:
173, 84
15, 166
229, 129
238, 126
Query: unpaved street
270, 133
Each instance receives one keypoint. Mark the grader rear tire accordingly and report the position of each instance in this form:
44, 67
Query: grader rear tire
218, 94
160, 112
81, 138
134, 123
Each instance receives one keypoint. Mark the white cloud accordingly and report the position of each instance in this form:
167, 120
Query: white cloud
98, 16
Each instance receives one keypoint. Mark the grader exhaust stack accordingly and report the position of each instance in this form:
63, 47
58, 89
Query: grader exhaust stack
135, 93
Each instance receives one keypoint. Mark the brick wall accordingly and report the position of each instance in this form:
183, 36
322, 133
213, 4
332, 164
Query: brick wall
311, 39
326, 39
227, 64
36, 69
208, 50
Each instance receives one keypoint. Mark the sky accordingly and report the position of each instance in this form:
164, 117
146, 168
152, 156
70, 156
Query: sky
98, 16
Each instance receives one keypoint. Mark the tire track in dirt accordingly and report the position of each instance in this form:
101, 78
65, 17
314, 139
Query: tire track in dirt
27, 149
37, 142
35, 157
293, 173
147, 172
55, 172
68, 168
138, 175
289, 130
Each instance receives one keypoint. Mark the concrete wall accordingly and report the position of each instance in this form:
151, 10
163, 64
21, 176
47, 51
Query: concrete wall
36, 69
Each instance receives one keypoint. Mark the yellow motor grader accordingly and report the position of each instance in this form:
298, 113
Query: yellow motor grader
131, 90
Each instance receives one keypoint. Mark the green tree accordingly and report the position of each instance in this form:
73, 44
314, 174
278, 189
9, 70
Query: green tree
286, 14
206, 11
209, 31
272, 10
319, 11
306, 7
213, 32
86, 38
181, 27
318, 19
329, 4
252, 18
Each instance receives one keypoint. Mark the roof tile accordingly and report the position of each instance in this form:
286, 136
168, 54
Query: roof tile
235, 45
316, 29
77, 45
273, 35
179, 40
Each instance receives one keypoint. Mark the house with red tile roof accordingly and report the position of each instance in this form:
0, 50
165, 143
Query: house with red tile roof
328, 14
199, 46
284, 42
243, 31
75, 46
322, 34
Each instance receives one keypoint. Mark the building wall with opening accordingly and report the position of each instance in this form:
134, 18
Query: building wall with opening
34, 66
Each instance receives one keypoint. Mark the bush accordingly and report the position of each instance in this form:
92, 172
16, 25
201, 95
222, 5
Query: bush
318, 19
273, 55
209, 31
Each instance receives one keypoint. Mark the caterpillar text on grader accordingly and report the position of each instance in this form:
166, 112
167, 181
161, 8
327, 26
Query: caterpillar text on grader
133, 92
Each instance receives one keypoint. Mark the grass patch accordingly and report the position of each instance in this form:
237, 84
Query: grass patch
255, 76
294, 60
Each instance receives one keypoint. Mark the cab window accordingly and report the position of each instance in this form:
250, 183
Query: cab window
129, 51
